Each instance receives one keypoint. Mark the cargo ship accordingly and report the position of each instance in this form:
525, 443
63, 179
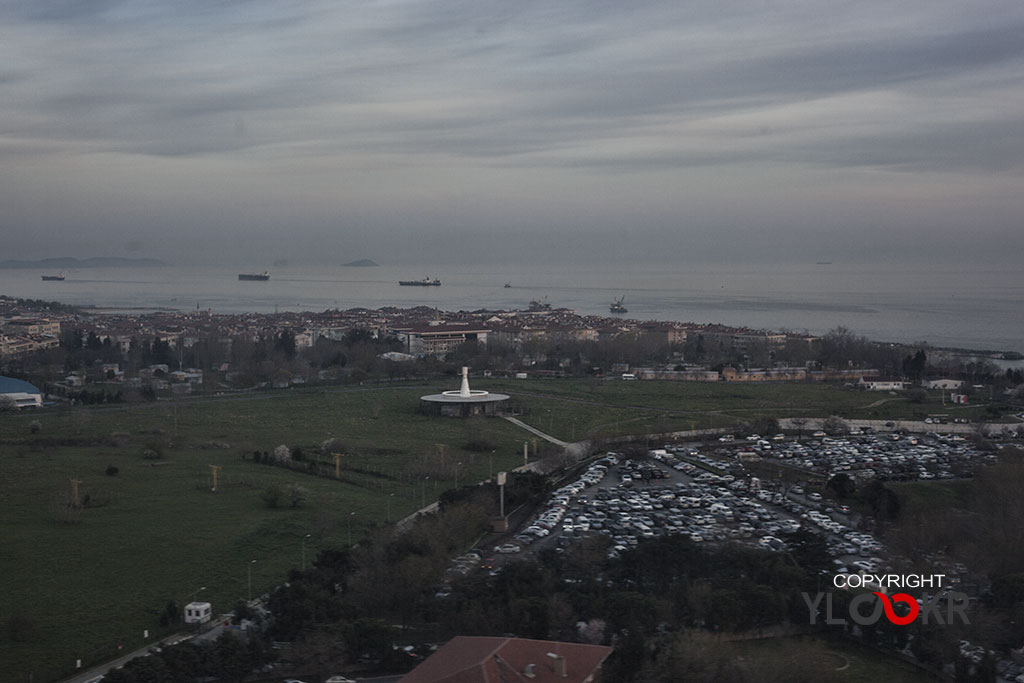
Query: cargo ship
425, 282
54, 278
254, 276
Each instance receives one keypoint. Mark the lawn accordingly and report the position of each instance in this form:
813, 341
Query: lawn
81, 582
84, 581
573, 408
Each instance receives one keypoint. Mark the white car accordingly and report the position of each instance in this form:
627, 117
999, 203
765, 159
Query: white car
507, 548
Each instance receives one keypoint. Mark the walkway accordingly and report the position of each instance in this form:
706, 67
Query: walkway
534, 430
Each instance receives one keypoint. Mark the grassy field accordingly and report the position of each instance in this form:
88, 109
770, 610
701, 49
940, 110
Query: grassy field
570, 408
837, 659
80, 582
85, 581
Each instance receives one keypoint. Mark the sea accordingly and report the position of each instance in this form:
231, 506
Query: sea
978, 308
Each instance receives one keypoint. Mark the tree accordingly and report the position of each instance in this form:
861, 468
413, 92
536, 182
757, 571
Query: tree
271, 496
916, 395
835, 425
842, 484
913, 366
296, 495
282, 454
231, 657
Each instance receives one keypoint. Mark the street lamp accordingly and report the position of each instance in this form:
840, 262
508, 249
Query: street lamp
457, 466
304, 551
249, 567
350, 516
423, 493
390, 496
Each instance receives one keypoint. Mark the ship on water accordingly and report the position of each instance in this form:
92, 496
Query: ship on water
254, 276
618, 307
425, 282
54, 278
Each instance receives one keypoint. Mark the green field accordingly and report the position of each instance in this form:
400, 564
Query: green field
80, 582
88, 580
573, 408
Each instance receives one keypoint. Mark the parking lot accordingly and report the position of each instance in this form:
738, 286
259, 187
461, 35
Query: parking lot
679, 490
891, 456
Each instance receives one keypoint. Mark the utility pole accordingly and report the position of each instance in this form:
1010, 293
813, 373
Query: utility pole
337, 464
74, 492
251, 563
215, 469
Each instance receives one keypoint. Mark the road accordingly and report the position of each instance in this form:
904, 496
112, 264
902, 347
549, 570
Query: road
96, 673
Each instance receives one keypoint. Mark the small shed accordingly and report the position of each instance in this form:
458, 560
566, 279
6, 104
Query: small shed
198, 612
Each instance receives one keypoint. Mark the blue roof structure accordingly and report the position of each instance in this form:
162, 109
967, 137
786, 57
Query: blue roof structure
9, 385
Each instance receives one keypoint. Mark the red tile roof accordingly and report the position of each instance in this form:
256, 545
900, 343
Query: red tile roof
473, 659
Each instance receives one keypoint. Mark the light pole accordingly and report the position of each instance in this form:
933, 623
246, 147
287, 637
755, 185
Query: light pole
249, 567
390, 496
423, 493
350, 516
457, 466
304, 551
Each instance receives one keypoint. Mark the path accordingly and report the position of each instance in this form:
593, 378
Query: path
534, 430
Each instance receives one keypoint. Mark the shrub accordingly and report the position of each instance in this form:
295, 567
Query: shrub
297, 495
112, 471
282, 454
271, 496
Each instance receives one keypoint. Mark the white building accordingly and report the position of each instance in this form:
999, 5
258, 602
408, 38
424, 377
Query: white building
198, 612
947, 384
882, 384
22, 394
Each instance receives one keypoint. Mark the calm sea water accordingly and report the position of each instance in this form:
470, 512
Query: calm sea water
970, 308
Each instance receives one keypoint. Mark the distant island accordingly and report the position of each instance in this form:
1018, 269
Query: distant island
67, 262
361, 263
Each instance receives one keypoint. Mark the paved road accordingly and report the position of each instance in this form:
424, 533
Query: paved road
97, 672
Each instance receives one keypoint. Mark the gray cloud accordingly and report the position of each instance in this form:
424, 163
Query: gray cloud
491, 118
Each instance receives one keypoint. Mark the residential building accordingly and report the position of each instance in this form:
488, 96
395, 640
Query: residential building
477, 659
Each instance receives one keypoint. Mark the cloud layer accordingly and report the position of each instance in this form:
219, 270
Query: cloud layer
294, 127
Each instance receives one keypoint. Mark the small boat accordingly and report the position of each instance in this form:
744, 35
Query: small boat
259, 277
425, 282
618, 307
508, 285
54, 278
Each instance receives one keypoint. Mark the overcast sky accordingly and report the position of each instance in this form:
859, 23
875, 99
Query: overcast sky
418, 130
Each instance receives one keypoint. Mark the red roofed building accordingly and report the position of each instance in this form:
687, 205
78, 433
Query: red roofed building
472, 659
